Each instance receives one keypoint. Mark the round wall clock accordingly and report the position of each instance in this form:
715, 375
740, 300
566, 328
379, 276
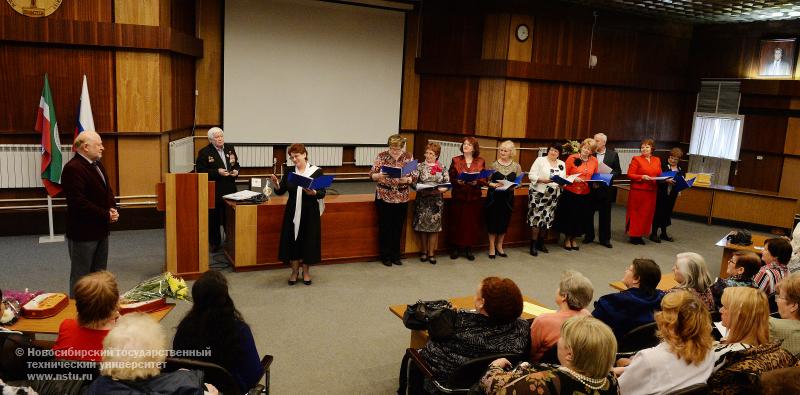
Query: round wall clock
523, 32
35, 8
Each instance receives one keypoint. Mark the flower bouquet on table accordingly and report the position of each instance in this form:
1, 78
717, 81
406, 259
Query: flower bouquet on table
152, 294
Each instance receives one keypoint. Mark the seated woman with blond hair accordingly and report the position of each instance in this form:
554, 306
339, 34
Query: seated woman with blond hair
787, 328
97, 302
746, 347
573, 294
683, 358
586, 351
134, 353
692, 275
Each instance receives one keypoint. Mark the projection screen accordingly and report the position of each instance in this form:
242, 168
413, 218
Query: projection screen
311, 72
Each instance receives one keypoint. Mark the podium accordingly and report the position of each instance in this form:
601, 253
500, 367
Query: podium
186, 199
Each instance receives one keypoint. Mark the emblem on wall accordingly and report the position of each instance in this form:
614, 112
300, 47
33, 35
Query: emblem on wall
35, 8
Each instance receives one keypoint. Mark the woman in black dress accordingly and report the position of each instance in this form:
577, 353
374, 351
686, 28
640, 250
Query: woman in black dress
301, 230
665, 198
500, 203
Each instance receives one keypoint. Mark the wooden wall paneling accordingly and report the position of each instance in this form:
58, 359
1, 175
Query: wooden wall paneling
761, 174
138, 92
98, 10
495, 36
140, 165
491, 104
209, 67
792, 144
452, 33
20, 91
515, 109
790, 177
164, 157
167, 92
517, 50
448, 104
183, 16
111, 159
541, 110
409, 106
140, 12
183, 99
764, 133
488, 149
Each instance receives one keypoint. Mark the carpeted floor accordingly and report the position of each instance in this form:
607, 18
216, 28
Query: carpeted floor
338, 336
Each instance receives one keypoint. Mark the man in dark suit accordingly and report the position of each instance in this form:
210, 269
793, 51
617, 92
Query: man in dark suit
90, 207
603, 196
221, 163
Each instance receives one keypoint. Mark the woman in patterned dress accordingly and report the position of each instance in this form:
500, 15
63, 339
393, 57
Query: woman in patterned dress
429, 202
586, 352
500, 203
543, 195
391, 199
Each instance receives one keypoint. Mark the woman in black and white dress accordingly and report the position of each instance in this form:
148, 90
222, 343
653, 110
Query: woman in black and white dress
301, 233
543, 195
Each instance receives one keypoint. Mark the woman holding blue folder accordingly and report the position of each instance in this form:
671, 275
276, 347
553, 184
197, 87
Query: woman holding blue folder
391, 197
500, 203
642, 172
464, 213
665, 198
301, 231
574, 205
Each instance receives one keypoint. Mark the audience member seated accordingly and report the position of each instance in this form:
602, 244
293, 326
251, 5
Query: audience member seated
586, 351
746, 347
787, 328
794, 261
214, 324
776, 255
134, 352
495, 327
97, 302
633, 307
691, 274
741, 268
683, 358
572, 296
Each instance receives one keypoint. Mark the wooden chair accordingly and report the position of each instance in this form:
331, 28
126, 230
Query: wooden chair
638, 338
464, 377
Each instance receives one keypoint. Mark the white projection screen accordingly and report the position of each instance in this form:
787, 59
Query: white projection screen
311, 72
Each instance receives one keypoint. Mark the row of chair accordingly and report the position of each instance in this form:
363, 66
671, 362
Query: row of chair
13, 366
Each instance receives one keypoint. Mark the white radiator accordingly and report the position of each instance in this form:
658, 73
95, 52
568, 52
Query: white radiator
254, 155
365, 156
181, 155
321, 156
625, 156
21, 164
450, 149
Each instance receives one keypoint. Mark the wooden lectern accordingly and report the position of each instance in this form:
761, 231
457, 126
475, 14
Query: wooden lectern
186, 198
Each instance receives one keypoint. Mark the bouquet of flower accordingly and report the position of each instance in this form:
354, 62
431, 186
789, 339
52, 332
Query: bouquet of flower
572, 147
162, 286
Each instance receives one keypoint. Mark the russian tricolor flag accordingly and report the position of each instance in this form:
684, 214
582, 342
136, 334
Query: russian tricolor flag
85, 118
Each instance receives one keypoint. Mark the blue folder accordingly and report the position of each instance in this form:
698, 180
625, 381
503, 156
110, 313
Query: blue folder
320, 182
601, 177
682, 183
468, 177
397, 172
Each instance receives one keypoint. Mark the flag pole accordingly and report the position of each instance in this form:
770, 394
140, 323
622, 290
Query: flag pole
52, 238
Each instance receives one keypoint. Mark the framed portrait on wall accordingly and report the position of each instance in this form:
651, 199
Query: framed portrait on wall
777, 57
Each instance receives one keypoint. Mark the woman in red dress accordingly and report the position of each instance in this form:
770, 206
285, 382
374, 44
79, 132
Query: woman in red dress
642, 198
465, 210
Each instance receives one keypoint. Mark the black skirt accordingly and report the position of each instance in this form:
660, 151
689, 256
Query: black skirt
572, 213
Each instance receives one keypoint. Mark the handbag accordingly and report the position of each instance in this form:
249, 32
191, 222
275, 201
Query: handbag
740, 237
435, 316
